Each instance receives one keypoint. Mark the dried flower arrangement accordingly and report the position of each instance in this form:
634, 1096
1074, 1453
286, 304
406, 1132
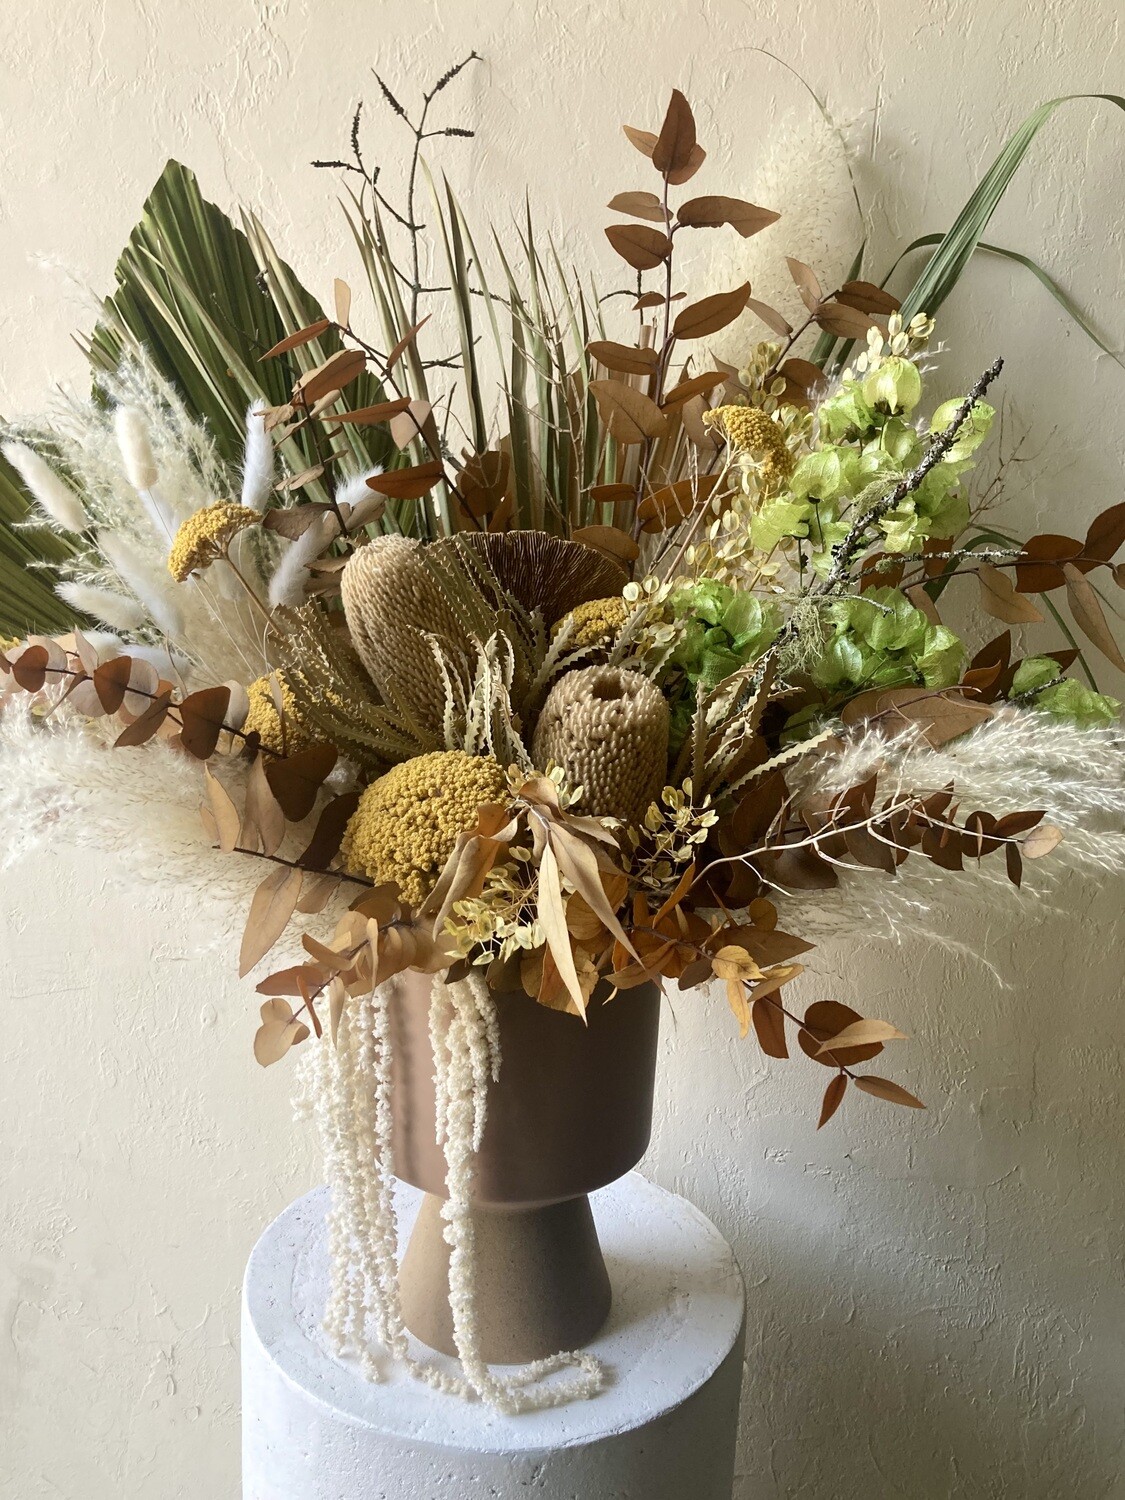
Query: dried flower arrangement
563, 684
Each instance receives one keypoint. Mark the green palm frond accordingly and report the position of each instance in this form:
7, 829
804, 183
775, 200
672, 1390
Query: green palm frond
28, 602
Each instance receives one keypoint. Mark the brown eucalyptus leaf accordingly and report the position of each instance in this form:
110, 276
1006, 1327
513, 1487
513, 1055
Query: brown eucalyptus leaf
642, 248
483, 482
551, 913
802, 373
415, 422
295, 340
640, 205
329, 834
999, 598
630, 416
800, 870
1039, 565
1089, 616
142, 729
278, 1032
844, 321
1018, 822
610, 541
833, 1098
769, 1026
202, 717
274, 903
695, 385
1013, 863
656, 299
823, 1020
370, 416
867, 297
295, 780
405, 342
317, 896
941, 716
883, 1088
921, 600
691, 416
806, 283
771, 318
709, 212
612, 494
110, 681
709, 314
337, 371
299, 979
1041, 841
623, 357
408, 484
675, 146
228, 823
292, 521
298, 481
644, 140
1106, 534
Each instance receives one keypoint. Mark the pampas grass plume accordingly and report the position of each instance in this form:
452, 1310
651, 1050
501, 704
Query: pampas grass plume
113, 609
153, 589
54, 497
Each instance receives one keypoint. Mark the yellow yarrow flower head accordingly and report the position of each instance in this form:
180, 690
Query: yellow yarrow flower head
596, 623
264, 720
407, 821
752, 431
205, 536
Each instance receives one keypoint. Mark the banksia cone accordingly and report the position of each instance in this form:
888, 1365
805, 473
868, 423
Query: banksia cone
392, 600
608, 730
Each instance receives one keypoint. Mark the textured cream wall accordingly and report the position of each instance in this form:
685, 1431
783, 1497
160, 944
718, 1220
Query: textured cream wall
936, 1301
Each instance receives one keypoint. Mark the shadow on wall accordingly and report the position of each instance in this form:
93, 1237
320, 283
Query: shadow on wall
932, 1300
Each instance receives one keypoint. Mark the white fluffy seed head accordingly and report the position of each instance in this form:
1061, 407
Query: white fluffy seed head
112, 609
153, 588
53, 496
257, 459
136, 450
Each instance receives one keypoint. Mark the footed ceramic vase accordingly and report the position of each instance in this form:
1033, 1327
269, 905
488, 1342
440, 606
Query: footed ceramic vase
571, 1112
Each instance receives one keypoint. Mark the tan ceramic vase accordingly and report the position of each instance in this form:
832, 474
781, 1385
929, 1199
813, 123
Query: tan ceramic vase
571, 1112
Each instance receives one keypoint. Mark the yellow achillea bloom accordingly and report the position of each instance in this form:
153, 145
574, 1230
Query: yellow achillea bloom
407, 821
264, 720
206, 535
596, 622
749, 430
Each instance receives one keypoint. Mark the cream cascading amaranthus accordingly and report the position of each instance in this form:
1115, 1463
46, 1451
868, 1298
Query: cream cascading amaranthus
397, 592
607, 728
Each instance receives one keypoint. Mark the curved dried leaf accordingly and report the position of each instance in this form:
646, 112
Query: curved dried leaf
1106, 534
643, 248
405, 341
769, 1026
278, 1032
612, 494
408, 484
675, 147
295, 340
822, 1021
805, 280
339, 370
623, 357
110, 681
673, 503
771, 318
833, 1098
228, 824
709, 314
342, 300
630, 416
640, 205
861, 1034
867, 297
644, 140
274, 903
709, 212
610, 541
1039, 565
296, 779
368, 416
1000, 599
845, 321
142, 729
695, 385
1041, 841
883, 1088
1089, 616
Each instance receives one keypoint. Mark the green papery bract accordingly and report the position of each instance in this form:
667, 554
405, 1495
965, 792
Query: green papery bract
881, 640
1075, 702
1033, 673
973, 431
895, 385
899, 442
821, 474
777, 519
845, 414
941, 658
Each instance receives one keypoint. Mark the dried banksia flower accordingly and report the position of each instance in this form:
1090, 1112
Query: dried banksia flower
547, 573
407, 821
596, 623
204, 537
749, 430
392, 600
608, 730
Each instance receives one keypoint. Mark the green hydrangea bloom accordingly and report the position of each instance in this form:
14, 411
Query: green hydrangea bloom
881, 640
1037, 679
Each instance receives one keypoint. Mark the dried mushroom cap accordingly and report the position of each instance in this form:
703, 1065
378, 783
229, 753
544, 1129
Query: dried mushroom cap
608, 729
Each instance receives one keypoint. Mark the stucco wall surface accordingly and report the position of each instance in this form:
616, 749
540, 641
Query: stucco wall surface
936, 1300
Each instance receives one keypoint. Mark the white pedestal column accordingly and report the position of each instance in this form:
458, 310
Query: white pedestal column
664, 1429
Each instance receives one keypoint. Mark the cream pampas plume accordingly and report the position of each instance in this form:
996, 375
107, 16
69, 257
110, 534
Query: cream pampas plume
257, 459
152, 587
54, 497
131, 430
113, 609
608, 730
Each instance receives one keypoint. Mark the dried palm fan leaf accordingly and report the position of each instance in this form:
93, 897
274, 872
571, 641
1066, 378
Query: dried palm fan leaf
608, 730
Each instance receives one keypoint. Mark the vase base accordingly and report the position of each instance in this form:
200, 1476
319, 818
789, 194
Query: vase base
540, 1283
